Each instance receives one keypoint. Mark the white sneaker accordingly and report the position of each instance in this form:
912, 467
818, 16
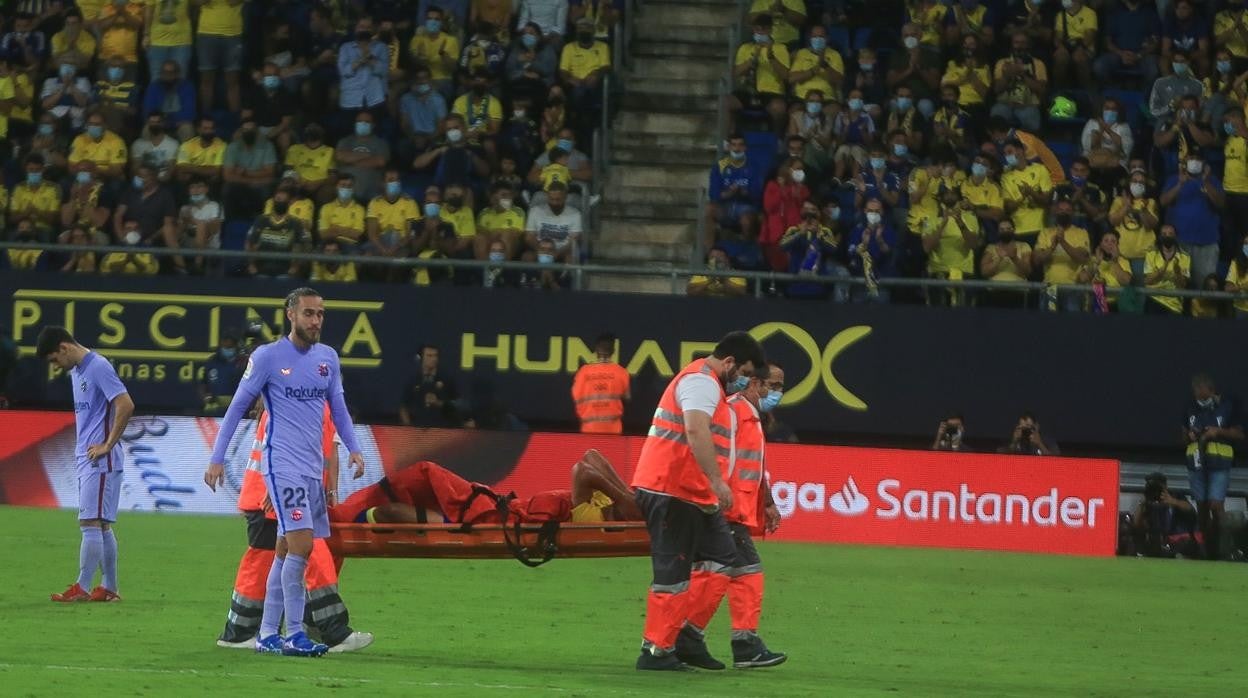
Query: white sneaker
248, 644
355, 641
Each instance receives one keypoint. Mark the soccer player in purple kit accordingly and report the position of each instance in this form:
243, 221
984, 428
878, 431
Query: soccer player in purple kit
102, 408
295, 375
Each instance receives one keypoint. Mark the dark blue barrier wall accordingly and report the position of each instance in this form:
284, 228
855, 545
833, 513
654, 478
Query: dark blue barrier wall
851, 369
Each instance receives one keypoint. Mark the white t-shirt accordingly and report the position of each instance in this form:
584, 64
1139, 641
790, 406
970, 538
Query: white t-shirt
562, 229
698, 392
208, 213
161, 157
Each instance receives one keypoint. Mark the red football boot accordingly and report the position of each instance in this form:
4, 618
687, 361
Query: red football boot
102, 594
71, 595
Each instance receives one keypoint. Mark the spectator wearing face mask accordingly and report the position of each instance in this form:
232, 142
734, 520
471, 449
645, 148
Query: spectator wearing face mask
1167, 268
817, 67
1211, 430
557, 222
854, 128
983, 193
1061, 251
155, 148
917, 65
500, 223
925, 187
813, 249
336, 272
1223, 89
1107, 143
906, 118
951, 124
1237, 277
86, 203
1089, 201
720, 286
950, 241
1021, 84
453, 161
200, 224
25, 260
249, 167
1228, 31
1105, 267
66, 95
532, 63
389, 218
1133, 215
132, 262
1025, 189
1193, 199
582, 66
872, 254
760, 70
1182, 133
274, 107
782, 207
1235, 178
172, 98
877, 181
1186, 29
970, 77
422, 109
363, 69
1006, 261
364, 156
277, 232
202, 156
36, 199
1168, 90
735, 191
222, 373
150, 206
1074, 39
344, 218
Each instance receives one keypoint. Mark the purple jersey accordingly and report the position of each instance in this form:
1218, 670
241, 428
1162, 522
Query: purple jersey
295, 385
95, 385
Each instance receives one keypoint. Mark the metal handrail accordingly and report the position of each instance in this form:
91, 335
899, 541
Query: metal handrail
591, 269
605, 124
699, 231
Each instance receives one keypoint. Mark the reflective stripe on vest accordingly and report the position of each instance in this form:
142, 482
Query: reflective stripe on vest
745, 471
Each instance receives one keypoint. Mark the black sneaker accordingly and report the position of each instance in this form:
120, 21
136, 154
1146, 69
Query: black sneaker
765, 658
691, 649
662, 662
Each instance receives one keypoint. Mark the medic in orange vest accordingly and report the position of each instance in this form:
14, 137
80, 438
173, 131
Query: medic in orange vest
753, 513
325, 606
682, 491
600, 390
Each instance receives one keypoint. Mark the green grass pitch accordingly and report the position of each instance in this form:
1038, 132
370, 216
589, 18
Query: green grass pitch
854, 621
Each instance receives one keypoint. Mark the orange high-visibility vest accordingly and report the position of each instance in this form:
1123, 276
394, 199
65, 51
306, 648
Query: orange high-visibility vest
251, 496
666, 463
745, 466
599, 390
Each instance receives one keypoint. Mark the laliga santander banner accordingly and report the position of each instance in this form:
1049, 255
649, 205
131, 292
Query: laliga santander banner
825, 494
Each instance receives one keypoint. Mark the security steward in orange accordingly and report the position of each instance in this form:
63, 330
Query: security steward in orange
682, 492
753, 513
600, 389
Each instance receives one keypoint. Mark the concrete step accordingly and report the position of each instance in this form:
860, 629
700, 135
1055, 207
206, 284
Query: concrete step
676, 48
623, 140
659, 88
645, 230
620, 283
643, 253
658, 212
683, 176
682, 69
621, 194
718, 15
660, 155
668, 123
677, 102
650, 28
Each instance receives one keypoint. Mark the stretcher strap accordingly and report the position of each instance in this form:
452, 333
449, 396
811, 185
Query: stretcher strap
546, 535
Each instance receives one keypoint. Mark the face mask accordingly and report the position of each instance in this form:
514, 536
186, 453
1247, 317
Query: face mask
910, 42
155, 130
1063, 219
545, 258
1168, 242
1195, 167
901, 150
1006, 236
115, 73
281, 207
423, 89
1067, 4
834, 214
737, 385
345, 193
132, 238
904, 103
433, 26
760, 38
272, 82
866, 67
95, 132
529, 40
1224, 66
83, 177
455, 201
813, 108
1244, 249
394, 188
979, 169
770, 400
565, 145
1180, 69
877, 163
1110, 117
1229, 128
198, 198
737, 155
518, 114
585, 37
454, 135
228, 354
249, 137
34, 179
364, 36
138, 182
855, 104
799, 176
873, 218
363, 128
818, 44
1011, 159
67, 71
1137, 189
498, 256
432, 210
1078, 181
1206, 403
46, 129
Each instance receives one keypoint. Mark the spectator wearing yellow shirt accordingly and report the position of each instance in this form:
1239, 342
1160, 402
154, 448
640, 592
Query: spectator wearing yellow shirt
950, 241
35, 198
25, 260
458, 214
313, 161
582, 65
817, 68
906, 118
437, 50
557, 169
721, 286
17, 96
119, 26
925, 186
1025, 189
1237, 277
501, 222
201, 156
335, 272
1230, 30
167, 35
1021, 84
971, 77
73, 44
83, 204
761, 70
90, 8
79, 262
117, 99
1061, 251
969, 19
1106, 266
105, 149
928, 16
1006, 261
787, 15
219, 46
389, 218
984, 194
481, 111
301, 207
1074, 41
131, 262
1133, 215
1167, 267
343, 218
1235, 175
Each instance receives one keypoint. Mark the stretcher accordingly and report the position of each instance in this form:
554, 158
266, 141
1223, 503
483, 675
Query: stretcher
531, 544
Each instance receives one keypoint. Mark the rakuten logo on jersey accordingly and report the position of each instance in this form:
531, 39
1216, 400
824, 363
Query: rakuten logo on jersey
964, 505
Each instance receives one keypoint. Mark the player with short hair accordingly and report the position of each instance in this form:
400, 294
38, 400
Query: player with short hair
296, 376
102, 408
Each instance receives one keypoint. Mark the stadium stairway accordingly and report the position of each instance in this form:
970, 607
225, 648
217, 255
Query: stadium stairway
662, 142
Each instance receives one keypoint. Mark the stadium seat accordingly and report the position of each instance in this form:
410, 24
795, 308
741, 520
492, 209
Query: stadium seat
1065, 152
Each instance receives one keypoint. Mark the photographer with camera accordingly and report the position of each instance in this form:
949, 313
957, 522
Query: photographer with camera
1164, 525
949, 435
1028, 441
1210, 426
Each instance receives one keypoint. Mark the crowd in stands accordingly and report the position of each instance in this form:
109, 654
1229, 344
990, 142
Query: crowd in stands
1067, 142
388, 128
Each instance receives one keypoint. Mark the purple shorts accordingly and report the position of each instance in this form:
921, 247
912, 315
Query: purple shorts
299, 503
99, 495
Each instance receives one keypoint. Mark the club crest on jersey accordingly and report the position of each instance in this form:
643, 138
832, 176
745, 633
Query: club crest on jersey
322, 369
296, 514
285, 371
83, 385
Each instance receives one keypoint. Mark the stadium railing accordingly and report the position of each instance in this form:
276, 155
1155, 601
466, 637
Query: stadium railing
763, 282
